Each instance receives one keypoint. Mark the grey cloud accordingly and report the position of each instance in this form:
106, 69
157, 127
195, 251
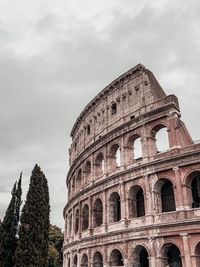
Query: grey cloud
42, 94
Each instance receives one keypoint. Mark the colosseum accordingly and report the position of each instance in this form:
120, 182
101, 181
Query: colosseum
134, 180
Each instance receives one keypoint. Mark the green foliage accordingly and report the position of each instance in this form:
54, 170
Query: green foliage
32, 250
9, 227
55, 246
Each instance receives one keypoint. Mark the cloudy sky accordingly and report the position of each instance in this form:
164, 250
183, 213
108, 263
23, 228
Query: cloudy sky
57, 55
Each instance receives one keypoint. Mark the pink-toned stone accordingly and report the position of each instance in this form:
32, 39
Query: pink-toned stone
131, 107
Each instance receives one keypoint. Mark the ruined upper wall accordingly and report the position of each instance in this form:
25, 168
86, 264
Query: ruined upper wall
132, 94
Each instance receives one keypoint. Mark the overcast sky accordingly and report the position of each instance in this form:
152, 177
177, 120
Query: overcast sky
55, 56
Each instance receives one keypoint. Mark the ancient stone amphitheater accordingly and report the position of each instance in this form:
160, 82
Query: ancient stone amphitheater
134, 180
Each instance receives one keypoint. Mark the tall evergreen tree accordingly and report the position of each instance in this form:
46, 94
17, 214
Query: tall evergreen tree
35, 215
9, 227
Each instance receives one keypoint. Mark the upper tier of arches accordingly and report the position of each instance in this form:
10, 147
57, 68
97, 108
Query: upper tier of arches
135, 94
134, 146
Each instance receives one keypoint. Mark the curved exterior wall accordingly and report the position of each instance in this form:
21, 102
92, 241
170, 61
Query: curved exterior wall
130, 210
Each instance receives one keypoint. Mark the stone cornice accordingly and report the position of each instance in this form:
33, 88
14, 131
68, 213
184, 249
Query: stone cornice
143, 228
116, 132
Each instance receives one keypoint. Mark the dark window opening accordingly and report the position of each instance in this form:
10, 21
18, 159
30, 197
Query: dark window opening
76, 221
88, 129
140, 203
115, 207
85, 217
116, 258
143, 258
114, 108
196, 192
167, 197
98, 213
84, 261
132, 117
75, 261
98, 260
174, 256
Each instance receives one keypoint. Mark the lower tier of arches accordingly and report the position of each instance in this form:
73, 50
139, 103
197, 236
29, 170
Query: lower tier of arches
182, 250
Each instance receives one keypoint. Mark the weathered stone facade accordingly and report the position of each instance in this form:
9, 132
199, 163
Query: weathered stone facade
128, 207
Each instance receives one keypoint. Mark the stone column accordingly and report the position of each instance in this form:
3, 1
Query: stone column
178, 193
123, 163
123, 201
186, 249
105, 210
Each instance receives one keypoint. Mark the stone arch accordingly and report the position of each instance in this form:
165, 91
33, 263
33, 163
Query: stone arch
99, 164
159, 134
171, 255
193, 189
76, 225
84, 260
164, 199
97, 213
97, 259
87, 171
114, 207
115, 157
134, 148
116, 258
78, 179
136, 202
197, 254
141, 256
85, 217
75, 261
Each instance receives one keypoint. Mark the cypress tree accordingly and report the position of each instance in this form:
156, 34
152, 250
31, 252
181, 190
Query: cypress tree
32, 232
45, 249
9, 227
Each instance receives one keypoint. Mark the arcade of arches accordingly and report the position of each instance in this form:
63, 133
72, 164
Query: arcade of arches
134, 180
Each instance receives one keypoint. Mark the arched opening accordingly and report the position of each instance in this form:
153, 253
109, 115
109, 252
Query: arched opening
84, 261
164, 199
197, 254
75, 261
76, 221
70, 225
78, 180
98, 213
115, 157
98, 260
172, 255
85, 217
137, 149
116, 258
140, 257
114, 208
136, 202
87, 171
134, 148
99, 164
167, 197
195, 187
160, 134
